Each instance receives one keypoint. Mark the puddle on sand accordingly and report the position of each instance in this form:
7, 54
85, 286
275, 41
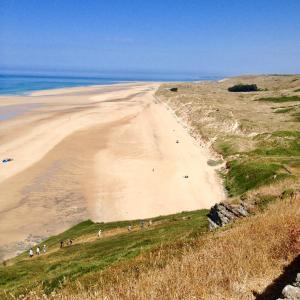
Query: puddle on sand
12, 111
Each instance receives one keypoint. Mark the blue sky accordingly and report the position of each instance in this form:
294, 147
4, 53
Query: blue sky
179, 36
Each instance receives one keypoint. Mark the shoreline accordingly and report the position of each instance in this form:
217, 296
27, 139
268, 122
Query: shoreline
89, 153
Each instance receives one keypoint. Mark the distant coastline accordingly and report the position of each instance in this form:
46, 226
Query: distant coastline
14, 84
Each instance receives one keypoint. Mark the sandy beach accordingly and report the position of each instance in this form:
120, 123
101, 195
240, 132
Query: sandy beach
100, 152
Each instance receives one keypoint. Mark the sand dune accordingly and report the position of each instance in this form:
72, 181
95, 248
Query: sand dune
105, 153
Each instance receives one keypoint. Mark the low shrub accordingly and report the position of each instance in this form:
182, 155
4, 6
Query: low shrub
243, 88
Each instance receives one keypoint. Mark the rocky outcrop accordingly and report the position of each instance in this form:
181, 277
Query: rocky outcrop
292, 291
221, 214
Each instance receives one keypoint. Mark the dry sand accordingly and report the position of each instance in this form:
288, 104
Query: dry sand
100, 152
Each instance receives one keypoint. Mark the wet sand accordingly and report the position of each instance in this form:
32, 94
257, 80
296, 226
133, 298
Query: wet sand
101, 152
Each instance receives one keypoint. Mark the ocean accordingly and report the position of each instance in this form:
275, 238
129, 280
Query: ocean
22, 84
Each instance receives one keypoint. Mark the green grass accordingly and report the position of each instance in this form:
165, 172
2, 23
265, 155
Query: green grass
280, 99
278, 143
225, 147
296, 117
283, 110
246, 175
71, 262
265, 200
286, 134
264, 165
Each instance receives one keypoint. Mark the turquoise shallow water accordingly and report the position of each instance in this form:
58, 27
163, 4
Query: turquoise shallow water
20, 84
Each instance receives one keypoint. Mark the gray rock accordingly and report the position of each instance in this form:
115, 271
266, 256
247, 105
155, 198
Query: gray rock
221, 214
291, 292
212, 225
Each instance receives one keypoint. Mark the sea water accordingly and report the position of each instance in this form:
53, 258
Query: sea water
22, 84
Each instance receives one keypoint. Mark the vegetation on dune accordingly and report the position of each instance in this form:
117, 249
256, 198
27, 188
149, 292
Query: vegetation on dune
296, 117
265, 164
243, 88
280, 99
225, 147
279, 143
244, 176
283, 110
260, 148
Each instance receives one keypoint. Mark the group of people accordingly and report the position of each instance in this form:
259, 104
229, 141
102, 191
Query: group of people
70, 242
44, 250
66, 243
130, 227
37, 251
142, 225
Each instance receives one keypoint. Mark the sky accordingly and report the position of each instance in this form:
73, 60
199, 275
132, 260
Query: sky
224, 37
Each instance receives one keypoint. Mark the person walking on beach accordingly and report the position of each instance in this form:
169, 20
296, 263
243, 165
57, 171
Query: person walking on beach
30, 253
44, 248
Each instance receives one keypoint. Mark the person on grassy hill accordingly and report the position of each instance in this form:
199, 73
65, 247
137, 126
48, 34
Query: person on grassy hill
142, 224
38, 250
99, 233
129, 228
61, 244
30, 253
44, 248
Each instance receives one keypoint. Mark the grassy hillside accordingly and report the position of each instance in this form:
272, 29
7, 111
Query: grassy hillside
237, 262
174, 259
89, 254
